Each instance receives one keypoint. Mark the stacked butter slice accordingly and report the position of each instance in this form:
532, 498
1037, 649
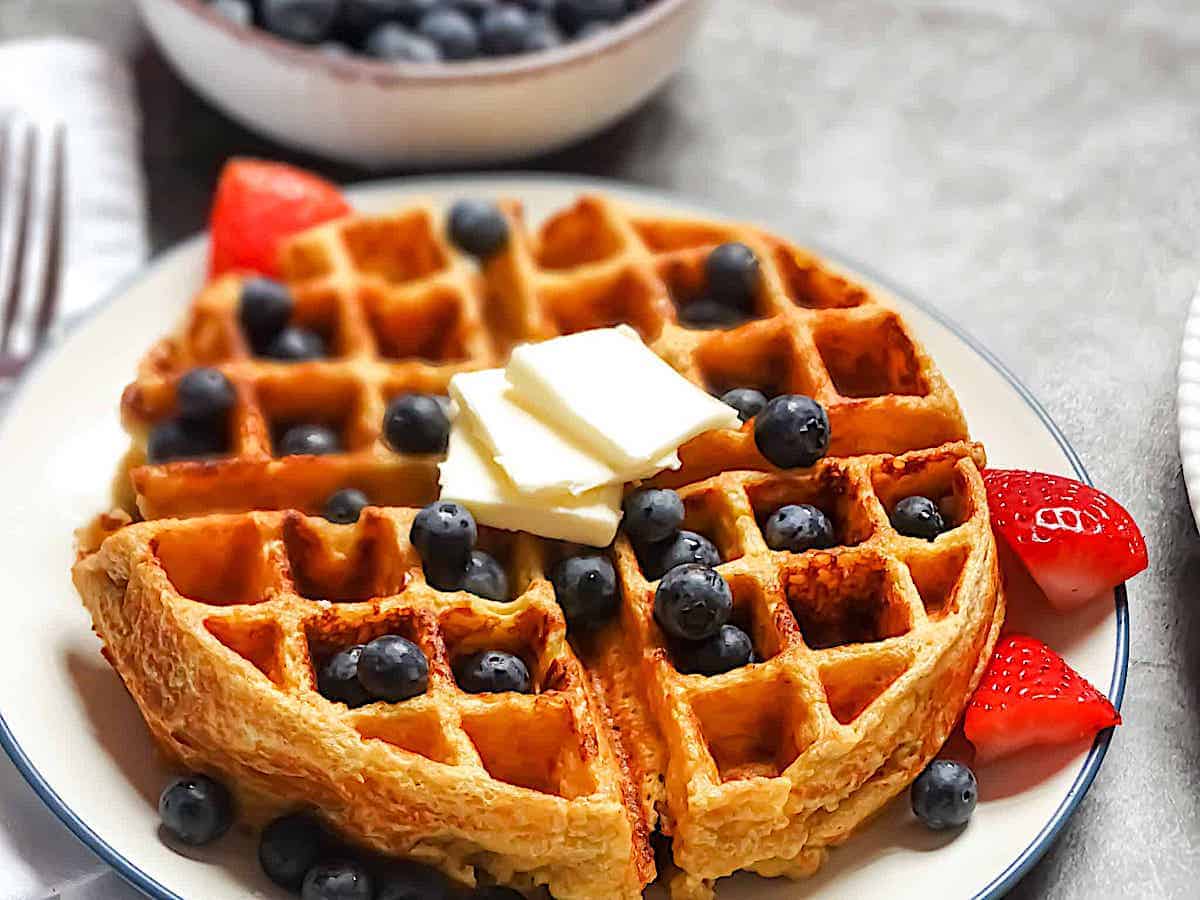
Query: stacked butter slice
546, 444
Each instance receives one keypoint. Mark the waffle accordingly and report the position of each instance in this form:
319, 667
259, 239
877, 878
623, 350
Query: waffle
868, 653
215, 625
403, 311
400, 310
216, 607
814, 331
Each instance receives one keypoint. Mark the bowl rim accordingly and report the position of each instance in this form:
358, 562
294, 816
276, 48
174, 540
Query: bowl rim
392, 74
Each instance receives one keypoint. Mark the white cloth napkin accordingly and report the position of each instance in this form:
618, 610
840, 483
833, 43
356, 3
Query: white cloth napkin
91, 91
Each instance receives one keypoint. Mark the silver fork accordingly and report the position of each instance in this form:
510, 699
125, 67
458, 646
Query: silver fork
32, 203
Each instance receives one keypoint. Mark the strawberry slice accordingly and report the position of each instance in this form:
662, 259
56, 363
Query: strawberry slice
259, 204
1076, 542
1029, 696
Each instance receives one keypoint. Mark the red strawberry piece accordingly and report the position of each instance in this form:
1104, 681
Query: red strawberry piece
259, 204
1030, 696
1076, 542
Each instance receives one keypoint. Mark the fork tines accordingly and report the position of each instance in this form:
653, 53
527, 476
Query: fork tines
32, 198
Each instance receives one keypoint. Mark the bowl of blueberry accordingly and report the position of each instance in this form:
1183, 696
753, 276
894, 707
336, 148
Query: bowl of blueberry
424, 82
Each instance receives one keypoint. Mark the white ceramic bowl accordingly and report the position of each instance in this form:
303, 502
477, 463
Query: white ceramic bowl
377, 114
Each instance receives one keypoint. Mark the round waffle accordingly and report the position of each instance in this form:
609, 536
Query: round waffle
868, 650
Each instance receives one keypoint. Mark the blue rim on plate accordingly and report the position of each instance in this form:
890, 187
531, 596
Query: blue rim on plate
998, 886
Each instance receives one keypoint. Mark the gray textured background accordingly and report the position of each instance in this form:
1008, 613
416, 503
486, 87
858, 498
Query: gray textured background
1031, 167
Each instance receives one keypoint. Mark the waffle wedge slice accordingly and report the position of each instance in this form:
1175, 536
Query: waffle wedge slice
216, 626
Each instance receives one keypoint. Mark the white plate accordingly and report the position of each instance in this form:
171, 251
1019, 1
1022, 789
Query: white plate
72, 730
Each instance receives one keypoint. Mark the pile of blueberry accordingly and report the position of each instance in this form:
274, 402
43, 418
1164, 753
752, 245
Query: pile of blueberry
732, 282
298, 853
390, 668
428, 31
653, 520
265, 310
693, 603
204, 399
791, 430
444, 535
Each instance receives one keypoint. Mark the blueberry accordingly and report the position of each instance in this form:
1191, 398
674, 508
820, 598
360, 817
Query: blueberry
395, 43
337, 880
295, 344
733, 276
792, 432
473, 8
493, 672
335, 49
264, 308
707, 314
416, 423
652, 515
591, 29
239, 12
304, 21
360, 17
204, 396
337, 679
477, 227
315, 440
543, 35
504, 30
685, 547
918, 517
747, 401
485, 577
393, 668
196, 809
176, 439
444, 535
453, 31
798, 527
289, 847
496, 892
586, 589
407, 880
692, 602
944, 795
730, 648
575, 14
345, 506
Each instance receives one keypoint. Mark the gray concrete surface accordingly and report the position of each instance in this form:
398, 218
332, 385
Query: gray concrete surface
1030, 167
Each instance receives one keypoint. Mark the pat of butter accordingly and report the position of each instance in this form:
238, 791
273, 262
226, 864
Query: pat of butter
613, 395
537, 458
469, 477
